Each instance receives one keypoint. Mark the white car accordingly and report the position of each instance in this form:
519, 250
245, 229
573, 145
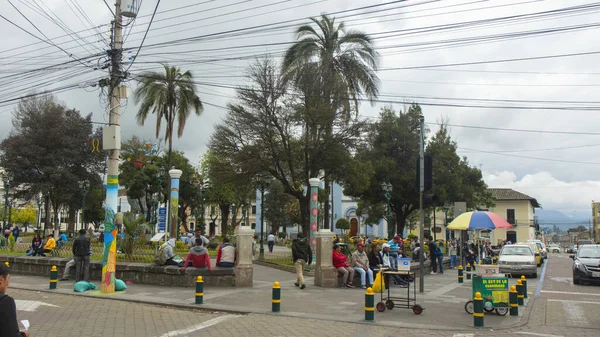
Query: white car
518, 259
554, 249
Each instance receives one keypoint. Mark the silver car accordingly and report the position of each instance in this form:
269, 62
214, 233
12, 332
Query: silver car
518, 260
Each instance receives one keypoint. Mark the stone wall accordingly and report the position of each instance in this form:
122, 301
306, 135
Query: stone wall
140, 273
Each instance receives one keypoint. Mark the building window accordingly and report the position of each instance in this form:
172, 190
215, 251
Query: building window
510, 216
254, 209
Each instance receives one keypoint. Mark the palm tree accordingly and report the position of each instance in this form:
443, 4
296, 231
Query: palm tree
170, 96
345, 64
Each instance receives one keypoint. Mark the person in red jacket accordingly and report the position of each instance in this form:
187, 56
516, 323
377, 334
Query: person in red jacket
198, 256
341, 264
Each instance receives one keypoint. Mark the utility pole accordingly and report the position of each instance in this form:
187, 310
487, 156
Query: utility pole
421, 210
112, 144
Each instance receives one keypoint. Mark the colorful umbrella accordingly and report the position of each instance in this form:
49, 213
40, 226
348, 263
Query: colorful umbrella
478, 220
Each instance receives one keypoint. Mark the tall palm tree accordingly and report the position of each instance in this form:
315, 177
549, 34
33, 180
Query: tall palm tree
345, 63
170, 96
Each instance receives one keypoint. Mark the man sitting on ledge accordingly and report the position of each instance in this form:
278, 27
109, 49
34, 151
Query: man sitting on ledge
226, 255
198, 256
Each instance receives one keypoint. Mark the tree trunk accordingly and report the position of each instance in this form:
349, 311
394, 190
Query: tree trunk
72, 216
224, 219
305, 215
47, 213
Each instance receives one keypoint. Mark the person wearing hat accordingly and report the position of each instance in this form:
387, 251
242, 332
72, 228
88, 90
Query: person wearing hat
360, 263
341, 264
49, 247
396, 250
387, 264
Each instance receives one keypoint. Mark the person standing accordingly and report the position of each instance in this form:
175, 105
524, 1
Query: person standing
396, 248
9, 326
360, 263
271, 241
301, 254
432, 256
81, 254
453, 255
197, 235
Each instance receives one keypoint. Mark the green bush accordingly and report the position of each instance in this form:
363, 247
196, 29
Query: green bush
11, 242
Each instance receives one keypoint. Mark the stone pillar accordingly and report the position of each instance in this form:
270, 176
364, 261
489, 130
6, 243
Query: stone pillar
175, 175
243, 271
314, 214
325, 275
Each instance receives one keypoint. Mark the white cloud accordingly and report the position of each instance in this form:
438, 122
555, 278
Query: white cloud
551, 192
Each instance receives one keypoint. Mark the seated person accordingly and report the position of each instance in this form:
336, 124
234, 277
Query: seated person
169, 254
385, 256
375, 258
36, 244
226, 256
343, 267
49, 247
198, 256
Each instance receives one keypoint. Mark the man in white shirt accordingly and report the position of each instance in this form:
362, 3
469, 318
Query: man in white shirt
198, 235
271, 242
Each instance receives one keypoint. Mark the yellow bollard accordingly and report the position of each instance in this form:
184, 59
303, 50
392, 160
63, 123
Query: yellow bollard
524, 282
369, 305
276, 298
520, 296
199, 290
7, 264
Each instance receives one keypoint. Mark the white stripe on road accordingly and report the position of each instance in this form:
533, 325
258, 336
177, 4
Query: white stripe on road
463, 335
537, 334
568, 293
584, 302
198, 326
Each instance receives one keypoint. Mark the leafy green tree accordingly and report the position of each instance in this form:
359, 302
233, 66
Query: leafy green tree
342, 224
334, 68
276, 206
48, 153
132, 227
170, 96
25, 216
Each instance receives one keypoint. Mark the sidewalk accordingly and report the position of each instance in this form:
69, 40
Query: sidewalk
443, 300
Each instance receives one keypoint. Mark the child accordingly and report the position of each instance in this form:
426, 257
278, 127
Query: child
8, 309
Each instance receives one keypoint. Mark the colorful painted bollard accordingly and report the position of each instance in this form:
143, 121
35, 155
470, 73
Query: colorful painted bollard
53, 277
199, 290
468, 271
520, 295
370, 305
276, 301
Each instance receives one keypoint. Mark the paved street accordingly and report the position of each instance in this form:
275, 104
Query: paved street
561, 309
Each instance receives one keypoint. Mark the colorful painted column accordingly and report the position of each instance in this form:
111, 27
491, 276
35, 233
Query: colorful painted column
109, 257
175, 175
314, 214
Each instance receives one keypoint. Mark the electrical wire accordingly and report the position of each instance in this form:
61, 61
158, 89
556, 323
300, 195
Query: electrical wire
532, 158
144, 39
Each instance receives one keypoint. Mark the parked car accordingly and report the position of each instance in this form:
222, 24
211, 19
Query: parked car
584, 242
536, 252
518, 259
542, 248
554, 249
585, 264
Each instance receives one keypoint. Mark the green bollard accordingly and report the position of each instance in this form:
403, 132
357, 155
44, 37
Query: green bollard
276, 301
474, 265
524, 282
513, 301
460, 274
7, 264
468, 271
369, 305
478, 310
199, 290
53, 277
520, 295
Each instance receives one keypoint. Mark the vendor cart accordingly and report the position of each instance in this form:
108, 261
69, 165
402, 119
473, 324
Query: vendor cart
494, 291
391, 302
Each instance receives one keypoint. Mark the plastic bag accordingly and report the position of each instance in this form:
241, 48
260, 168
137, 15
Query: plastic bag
379, 283
82, 286
120, 285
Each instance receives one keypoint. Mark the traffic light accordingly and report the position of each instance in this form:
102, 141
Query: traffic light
430, 200
428, 172
537, 228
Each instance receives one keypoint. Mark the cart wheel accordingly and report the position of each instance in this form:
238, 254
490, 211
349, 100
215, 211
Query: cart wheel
501, 309
417, 309
469, 307
389, 304
380, 307
488, 309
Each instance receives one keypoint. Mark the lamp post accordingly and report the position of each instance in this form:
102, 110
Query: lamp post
245, 214
39, 215
84, 186
6, 189
160, 174
387, 190
263, 183
233, 215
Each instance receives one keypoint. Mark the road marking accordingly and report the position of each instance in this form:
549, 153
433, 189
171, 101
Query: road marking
568, 293
31, 306
584, 302
463, 335
199, 326
541, 283
537, 334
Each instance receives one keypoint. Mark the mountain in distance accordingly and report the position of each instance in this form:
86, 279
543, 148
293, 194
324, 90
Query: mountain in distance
549, 218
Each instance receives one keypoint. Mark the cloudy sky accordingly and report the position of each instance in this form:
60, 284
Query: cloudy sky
515, 78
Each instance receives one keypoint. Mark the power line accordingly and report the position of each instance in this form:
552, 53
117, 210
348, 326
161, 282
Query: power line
145, 34
532, 158
522, 130
548, 149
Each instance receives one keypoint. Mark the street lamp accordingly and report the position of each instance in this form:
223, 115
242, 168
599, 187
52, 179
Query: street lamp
233, 214
6, 189
84, 186
263, 183
387, 190
39, 215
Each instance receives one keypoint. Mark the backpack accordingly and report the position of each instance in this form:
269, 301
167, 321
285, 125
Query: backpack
438, 251
159, 256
